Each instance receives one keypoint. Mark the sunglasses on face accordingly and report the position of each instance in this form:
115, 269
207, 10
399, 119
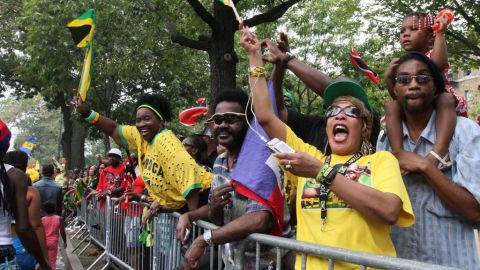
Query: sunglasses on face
228, 118
406, 79
350, 111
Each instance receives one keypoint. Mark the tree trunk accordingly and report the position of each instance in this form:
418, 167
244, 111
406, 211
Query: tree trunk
106, 144
77, 147
222, 56
73, 139
67, 134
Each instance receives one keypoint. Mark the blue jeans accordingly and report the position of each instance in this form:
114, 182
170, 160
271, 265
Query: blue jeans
24, 260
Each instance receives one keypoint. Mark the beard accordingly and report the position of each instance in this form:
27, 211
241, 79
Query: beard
421, 108
237, 138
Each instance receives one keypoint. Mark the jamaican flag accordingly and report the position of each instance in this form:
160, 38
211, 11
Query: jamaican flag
82, 33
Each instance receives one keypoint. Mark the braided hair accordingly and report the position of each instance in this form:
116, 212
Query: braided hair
422, 20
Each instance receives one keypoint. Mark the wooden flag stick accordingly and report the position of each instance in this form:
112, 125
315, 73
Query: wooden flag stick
235, 11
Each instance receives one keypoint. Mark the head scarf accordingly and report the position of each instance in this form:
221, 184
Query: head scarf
5, 136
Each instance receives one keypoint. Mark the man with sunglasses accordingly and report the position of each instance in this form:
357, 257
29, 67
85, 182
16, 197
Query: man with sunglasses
446, 204
237, 215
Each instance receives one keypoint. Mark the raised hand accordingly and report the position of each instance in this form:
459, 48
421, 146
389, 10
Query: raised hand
249, 40
282, 43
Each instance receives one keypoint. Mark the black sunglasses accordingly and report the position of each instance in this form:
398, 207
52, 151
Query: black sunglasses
406, 79
228, 118
350, 111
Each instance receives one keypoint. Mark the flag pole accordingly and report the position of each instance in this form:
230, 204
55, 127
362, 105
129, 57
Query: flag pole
236, 12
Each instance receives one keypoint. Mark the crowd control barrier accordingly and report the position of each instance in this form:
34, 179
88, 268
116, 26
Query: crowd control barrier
115, 228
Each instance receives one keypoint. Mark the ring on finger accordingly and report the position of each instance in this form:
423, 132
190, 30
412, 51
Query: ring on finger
289, 165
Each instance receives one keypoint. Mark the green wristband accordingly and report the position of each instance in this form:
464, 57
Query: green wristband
90, 117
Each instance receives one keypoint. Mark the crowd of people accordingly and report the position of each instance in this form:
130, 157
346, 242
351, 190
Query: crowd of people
408, 191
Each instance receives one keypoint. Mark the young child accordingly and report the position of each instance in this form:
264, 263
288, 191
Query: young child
416, 35
53, 225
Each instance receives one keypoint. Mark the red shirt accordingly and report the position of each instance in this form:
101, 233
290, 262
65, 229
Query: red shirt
138, 187
111, 178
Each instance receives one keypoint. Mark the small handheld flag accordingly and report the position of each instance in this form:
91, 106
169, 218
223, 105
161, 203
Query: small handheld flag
28, 145
82, 29
358, 62
232, 5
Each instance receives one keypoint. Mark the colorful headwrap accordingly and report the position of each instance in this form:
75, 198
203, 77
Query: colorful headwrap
5, 136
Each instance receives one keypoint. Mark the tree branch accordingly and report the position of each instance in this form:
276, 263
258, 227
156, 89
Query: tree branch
150, 5
178, 38
465, 41
202, 13
271, 15
459, 8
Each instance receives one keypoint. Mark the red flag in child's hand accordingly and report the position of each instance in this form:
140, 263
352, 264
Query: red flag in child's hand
444, 19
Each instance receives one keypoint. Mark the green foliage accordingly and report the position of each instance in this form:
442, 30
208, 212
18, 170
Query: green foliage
30, 117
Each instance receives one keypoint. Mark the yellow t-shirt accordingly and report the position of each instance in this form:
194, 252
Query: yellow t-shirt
346, 227
168, 171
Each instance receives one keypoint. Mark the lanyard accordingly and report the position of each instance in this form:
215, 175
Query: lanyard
324, 190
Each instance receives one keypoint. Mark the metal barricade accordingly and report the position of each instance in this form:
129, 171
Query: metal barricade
117, 231
125, 247
362, 259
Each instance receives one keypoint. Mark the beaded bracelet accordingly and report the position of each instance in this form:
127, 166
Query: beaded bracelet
257, 72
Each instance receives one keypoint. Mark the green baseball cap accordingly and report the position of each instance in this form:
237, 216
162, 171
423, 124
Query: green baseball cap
345, 88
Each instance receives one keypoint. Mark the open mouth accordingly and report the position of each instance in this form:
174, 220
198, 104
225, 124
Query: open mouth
223, 135
143, 132
340, 133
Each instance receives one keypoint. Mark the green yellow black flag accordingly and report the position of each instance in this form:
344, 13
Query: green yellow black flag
82, 33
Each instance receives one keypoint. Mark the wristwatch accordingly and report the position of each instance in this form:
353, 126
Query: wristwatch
207, 237
288, 56
327, 175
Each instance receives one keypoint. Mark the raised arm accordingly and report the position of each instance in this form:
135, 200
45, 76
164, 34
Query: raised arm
105, 124
314, 79
272, 125
440, 52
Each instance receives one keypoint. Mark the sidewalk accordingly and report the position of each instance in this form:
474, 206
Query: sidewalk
74, 262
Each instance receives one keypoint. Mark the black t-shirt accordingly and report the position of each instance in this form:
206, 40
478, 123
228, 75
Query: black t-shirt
311, 129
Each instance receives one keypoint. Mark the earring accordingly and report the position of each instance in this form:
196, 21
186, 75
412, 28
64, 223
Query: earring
367, 148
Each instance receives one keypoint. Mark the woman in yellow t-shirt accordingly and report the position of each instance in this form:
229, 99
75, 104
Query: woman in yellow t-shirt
354, 210
172, 178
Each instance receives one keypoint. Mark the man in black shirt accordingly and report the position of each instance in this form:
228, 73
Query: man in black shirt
310, 128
